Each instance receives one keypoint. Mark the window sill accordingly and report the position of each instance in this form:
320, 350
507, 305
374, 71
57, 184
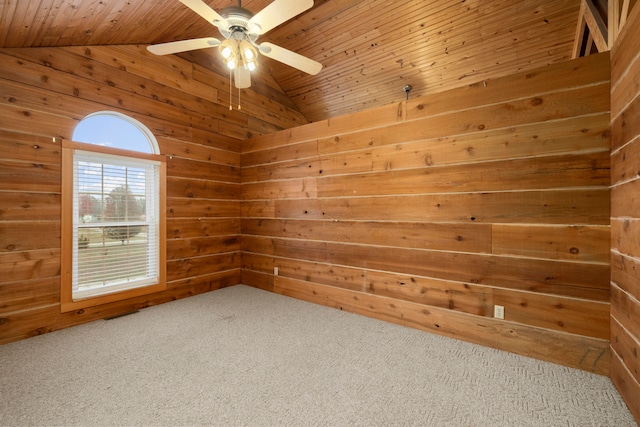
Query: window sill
67, 303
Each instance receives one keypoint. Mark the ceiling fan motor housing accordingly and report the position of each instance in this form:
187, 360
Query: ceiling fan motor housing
237, 20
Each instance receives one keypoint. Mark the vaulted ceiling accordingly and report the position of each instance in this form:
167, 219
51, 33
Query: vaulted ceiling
370, 49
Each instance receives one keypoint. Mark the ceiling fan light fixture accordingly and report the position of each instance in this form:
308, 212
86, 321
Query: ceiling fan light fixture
226, 53
249, 55
226, 48
248, 52
229, 51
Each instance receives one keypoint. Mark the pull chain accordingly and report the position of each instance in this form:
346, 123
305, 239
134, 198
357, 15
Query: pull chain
230, 90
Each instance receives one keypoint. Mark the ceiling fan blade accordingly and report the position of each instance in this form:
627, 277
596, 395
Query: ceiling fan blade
290, 58
203, 9
183, 46
276, 13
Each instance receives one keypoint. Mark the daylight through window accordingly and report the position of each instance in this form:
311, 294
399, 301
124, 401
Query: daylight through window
115, 229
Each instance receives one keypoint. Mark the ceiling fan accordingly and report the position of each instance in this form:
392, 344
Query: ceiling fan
241, 29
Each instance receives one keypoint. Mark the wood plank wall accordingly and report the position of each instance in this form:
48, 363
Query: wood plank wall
45, 91
625, 213
429, 212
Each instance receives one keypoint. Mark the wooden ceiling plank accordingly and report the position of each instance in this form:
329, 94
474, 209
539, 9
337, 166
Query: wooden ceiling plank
323, 15
109, 20
381, 21
8, 19
120, 21
89, 22
26, 24
321, 36
365, 47
435, 47
65, 18
152, 23
169, 24
404, 43
468, 53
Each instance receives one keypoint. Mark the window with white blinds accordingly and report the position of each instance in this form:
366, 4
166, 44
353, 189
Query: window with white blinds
113, 212
115, 223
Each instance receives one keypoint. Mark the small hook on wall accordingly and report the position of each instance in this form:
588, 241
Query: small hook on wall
407, 89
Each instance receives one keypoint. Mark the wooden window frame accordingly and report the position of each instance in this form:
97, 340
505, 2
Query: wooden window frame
67, 303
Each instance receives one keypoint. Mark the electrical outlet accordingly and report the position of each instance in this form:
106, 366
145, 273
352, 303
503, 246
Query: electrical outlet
498, 311
275, 271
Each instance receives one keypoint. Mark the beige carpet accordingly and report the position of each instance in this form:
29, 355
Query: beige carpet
241, 356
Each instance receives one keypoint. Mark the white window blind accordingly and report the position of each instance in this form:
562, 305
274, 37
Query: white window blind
115, 223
